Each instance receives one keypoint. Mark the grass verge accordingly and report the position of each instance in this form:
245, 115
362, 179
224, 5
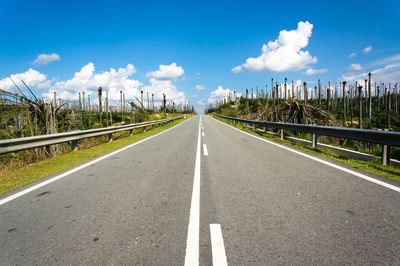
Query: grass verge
12, 179
374, 167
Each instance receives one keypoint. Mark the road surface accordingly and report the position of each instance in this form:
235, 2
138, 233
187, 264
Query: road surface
203, 193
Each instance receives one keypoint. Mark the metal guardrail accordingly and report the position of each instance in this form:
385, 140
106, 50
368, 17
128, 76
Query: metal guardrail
385, 138
19, 144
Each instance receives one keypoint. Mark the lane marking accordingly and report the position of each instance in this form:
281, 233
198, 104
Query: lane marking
51, 180
373, 180
217, 246
202, 133
192, 242
205, 150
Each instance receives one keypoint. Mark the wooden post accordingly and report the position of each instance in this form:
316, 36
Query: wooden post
344, 103
120, 101
388, 110
366, 101
379, 101
89, 103
292, 90
285, 89
273, 90
305, 92
152, 100
55, 100
360, 106
351, 104
369, 96
148, 101
80, 102
141, 99
319, 93
100, 106
247, 101
278, 91
123, 97
165, 103
328, 94
107, 107
83, 101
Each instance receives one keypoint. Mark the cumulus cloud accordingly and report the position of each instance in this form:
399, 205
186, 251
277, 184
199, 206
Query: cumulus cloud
312, 71
283, 54
171, 71
199, 87
367, 49
33, 78
201, 102
354, 67
218, 94
44, 59
87, 80
385, 69
352, 55
160, 86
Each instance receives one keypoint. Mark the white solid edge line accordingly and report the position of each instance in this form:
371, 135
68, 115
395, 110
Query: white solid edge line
51, 180
217, 246
373, 180
192, 243
205, 150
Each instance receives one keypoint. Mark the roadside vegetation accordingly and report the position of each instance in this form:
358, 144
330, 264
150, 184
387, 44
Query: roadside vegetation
374, 167
16, 173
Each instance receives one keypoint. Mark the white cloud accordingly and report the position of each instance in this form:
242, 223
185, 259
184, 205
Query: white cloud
218, 94
33, 78
388, 73
87, 80
352, 55
171, 71
283, 54
354, 67
312, 71
367, 49
160, 86
44, 59
199, 87
201, 102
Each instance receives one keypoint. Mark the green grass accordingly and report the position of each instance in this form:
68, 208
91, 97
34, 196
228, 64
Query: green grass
374, 167
11, 179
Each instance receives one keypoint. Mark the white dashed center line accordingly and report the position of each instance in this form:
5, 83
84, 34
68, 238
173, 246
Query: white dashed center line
217, 246
205, 150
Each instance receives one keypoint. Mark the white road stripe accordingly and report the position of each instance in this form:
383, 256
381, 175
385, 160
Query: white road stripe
217, 245
205, 150
51, 180
373, 180
192, 243
202, 133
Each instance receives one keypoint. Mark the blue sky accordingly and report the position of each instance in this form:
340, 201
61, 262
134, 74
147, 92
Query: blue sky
206, 40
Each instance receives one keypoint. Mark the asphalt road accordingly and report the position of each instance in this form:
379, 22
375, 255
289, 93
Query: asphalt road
153, 204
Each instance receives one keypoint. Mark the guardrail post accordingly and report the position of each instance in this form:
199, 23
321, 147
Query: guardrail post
265, 130
314, 141
110, 137
282, 134
254, 127
74, 145
144, 129
130, 132
385, 155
